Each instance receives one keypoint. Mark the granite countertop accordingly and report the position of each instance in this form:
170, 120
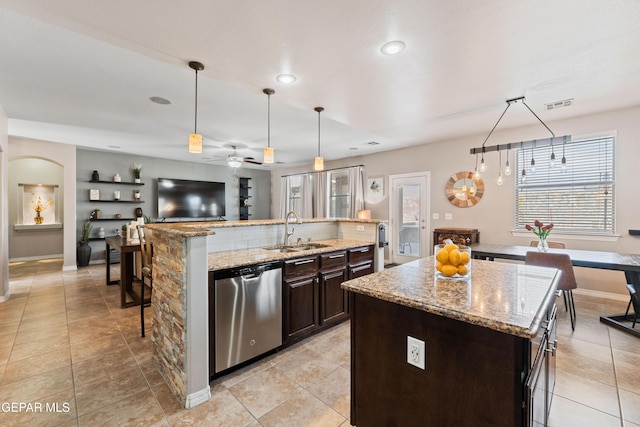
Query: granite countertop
204, 228
509, 298
243, 257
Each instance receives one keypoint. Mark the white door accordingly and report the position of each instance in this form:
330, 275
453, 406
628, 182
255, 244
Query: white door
409, 216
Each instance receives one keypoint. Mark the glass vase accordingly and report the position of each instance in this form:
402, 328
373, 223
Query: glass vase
543, 246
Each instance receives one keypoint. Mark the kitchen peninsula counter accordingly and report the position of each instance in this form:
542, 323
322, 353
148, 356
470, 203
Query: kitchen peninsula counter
478, 335
244, 257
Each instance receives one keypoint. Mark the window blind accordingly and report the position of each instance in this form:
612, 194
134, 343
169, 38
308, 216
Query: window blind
579, 199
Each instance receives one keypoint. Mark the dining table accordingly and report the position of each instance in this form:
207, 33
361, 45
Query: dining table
627, 263
126, 248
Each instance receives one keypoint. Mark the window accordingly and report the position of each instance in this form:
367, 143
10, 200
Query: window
338, 194
579, 199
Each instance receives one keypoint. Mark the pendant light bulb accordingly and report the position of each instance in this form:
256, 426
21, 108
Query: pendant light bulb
483, 166
268, 152
507, 166
318, 164
500, 180
195, 139
564, 163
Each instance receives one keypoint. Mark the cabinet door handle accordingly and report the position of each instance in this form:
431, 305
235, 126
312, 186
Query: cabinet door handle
306, 261
336, 256
364, 250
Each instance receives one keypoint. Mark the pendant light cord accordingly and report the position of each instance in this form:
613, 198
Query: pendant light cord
319, 110
195, 124
269, 120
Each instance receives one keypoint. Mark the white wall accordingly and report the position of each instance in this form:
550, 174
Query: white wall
4, 208
494, 214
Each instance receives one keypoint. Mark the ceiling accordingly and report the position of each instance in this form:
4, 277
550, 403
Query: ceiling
82, 72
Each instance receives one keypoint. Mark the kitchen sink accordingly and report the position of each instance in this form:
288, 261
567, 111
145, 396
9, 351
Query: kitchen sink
296, 248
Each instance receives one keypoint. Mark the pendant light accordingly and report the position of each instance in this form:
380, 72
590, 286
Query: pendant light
269, 156
195, 139
507, 166
500, 179
318, 164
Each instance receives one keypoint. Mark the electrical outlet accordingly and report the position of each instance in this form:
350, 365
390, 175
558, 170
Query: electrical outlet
416, 350
360, 228
435, 215
448, 216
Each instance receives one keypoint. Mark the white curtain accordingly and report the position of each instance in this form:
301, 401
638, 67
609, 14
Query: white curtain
356, 190
284, 196
306, 195
320, 206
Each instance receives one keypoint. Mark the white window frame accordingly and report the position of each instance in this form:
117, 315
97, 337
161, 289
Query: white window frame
574, 181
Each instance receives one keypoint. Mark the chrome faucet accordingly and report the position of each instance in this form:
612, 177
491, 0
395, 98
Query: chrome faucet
287, 233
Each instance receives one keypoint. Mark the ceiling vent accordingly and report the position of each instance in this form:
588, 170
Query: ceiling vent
559, 104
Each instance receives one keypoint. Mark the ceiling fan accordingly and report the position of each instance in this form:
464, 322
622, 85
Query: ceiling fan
235, 161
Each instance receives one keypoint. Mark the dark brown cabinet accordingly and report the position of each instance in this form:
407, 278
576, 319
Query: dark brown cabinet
360, 261
334, 301
300, 298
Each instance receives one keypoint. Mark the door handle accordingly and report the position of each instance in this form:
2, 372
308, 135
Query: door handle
307, 261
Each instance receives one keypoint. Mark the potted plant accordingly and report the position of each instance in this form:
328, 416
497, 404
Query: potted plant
136, 168
83, 252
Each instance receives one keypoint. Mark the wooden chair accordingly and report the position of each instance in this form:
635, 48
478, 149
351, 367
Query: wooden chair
558, 245
145, 236
567, 280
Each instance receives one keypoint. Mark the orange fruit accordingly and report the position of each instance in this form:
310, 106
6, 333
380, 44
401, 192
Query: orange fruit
450, 247
463, 270
449, 270
464, 257
443, 256
439, 266
455, 257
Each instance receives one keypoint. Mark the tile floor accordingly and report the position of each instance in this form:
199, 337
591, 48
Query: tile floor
65, 341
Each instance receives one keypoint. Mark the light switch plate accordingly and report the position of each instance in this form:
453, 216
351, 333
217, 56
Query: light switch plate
448, 216
435, 215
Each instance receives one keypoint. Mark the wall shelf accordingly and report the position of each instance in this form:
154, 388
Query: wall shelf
244, 198
117, 182
111, 219
116, 201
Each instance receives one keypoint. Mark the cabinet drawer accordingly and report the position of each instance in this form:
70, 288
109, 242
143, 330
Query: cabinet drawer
333, 260
361, 255
301, 267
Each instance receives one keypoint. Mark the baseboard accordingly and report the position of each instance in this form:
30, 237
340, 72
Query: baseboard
600, 294
36, 258
6, 296
195, 399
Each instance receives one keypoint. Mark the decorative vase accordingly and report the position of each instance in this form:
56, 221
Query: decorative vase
95, 176
38, 219
83, 253
543, 246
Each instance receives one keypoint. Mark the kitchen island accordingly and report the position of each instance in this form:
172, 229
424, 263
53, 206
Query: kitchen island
184, 256
489, 346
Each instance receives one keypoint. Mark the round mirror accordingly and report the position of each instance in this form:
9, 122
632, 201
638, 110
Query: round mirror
463, 190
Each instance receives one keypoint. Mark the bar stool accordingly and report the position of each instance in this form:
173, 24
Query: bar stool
635, 301
567, 280
145, 236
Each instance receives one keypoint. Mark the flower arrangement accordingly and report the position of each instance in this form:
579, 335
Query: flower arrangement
137, 170
39, 205
541, 230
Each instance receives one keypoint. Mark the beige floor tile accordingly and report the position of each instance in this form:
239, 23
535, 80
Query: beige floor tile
37, 347
139, 409
570, 347
627, 370
44, 321
25, 336
166, 399
95, 393
38, 387
241, 374
5, 352
89, 350
630, 403
624, 341
264, 391
104, 364
307, 368
567, 413
36, 365
334, 390
586, 367
302, 410
55, 410
222, 410
587, 392
335, 348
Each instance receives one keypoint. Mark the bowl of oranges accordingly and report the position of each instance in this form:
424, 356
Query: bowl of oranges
452, 261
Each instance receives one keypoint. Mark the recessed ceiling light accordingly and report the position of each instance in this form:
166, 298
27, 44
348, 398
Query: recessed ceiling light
286, 79
113, 146
393, 47
373, 143
353, 148
160, 100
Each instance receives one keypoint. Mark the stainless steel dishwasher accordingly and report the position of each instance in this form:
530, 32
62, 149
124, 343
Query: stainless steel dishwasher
248, 313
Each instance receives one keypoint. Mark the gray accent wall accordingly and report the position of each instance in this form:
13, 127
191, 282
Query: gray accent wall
108, 164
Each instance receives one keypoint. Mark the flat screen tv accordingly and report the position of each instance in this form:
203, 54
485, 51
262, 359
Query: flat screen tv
181, 198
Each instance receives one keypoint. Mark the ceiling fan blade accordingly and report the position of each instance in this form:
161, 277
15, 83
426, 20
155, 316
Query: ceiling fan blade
251, 160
